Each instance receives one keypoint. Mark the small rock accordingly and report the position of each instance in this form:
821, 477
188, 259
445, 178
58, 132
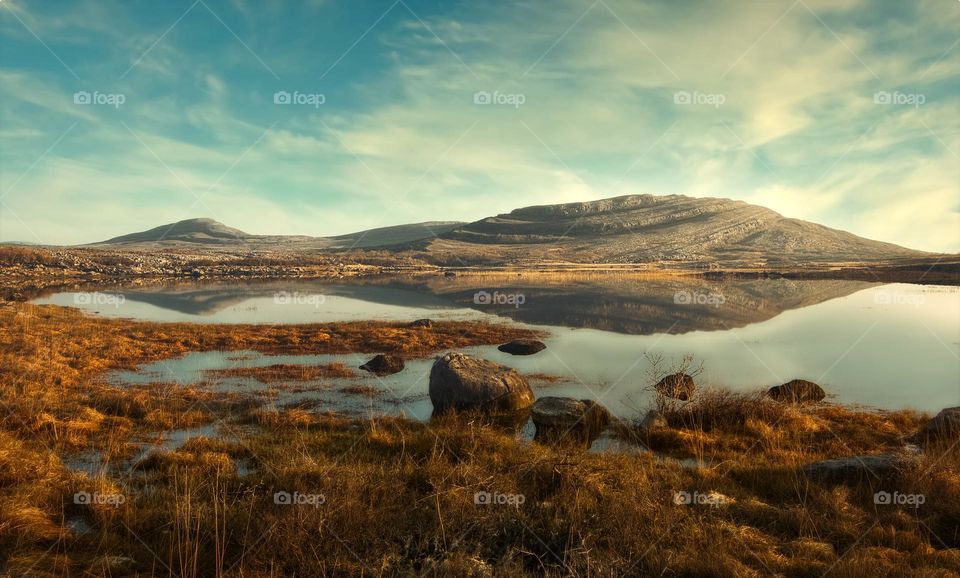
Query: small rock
678, 385
797, 391
562, 417
113, 564
653, 420
425, 323
384, 365
856, 468
463, 383
523, 347
945, 425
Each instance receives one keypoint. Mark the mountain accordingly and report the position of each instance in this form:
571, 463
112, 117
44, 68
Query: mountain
629, 229
668, 228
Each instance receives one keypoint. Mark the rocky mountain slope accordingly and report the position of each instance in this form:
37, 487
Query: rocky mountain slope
671, 228
703, 232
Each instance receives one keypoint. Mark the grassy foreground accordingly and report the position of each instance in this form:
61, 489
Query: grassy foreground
296, 493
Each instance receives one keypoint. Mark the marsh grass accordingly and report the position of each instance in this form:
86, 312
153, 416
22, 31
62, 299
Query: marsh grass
399, 497
285, 372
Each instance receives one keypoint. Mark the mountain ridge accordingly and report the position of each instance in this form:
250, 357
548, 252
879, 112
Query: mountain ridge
623, 229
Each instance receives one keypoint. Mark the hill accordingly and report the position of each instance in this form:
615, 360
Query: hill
670, 229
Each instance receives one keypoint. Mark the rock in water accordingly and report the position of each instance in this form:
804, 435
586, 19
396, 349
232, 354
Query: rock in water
461, 382
678, 385
523, 347
558, 418
945, 425
384, 365
797, 391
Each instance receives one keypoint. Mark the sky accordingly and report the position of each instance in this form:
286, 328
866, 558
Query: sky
323, 117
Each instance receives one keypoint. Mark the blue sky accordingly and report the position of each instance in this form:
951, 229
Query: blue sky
843, 112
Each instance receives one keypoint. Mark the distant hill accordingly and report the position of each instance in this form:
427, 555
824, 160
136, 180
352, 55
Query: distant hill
627, 229
203, 231
395, 235
199, 232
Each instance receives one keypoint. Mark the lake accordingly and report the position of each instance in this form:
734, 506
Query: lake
881, 345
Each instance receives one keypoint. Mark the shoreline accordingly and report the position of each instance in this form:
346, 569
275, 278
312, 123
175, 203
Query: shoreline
43, 265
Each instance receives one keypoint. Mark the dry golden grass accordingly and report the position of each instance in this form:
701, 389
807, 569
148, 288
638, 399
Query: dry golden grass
398, 496
286, 372
363, 390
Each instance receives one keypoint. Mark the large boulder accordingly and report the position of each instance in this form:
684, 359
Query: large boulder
945, 425
384, 365
797, 391
677, 385
563, 417
461, 382
523, 347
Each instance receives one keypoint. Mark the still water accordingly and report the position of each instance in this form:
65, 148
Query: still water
881, 345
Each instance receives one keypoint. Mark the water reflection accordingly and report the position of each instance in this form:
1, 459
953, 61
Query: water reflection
891, 346
622, 304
